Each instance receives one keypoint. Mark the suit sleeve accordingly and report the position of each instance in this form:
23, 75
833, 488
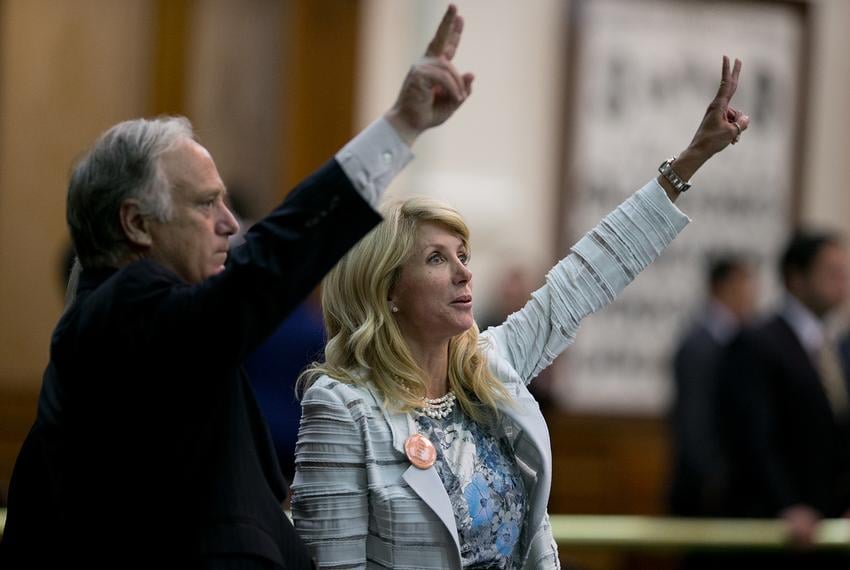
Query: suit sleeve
329, 493
694, 371
284, 257
747, 406
598, 268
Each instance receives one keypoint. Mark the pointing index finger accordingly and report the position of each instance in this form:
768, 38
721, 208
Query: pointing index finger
453, 40
444, 34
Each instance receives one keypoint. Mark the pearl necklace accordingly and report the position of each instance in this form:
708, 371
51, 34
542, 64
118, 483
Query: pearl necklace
439, 408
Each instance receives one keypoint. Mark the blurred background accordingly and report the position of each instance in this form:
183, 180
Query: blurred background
575, 104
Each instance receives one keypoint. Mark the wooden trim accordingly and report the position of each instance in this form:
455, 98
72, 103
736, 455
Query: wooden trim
567, 171
800, 143
17, 414
660, 533
318, 107
169, 62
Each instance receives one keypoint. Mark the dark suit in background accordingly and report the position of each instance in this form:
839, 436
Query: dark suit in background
698, 465
786, 445
781, 410
699, 468
783, 399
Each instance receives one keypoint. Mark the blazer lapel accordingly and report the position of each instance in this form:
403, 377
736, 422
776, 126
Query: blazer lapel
426, 483
800, 359
535, 434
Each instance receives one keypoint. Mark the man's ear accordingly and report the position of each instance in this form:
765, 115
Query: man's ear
136, 226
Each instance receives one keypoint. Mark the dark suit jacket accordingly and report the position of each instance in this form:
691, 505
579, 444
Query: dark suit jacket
148, 441
784, 443
698, 470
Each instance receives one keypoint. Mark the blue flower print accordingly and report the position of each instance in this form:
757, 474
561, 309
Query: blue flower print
506, 537
480, 502
484, 486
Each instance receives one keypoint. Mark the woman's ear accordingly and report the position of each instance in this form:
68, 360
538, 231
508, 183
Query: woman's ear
135, 224
391, 301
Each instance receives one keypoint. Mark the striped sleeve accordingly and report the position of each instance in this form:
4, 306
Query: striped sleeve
329, 492
598, 268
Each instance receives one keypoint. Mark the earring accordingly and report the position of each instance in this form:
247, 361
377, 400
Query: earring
393, 308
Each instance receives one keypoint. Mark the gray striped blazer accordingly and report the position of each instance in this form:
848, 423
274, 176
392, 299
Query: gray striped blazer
356, 499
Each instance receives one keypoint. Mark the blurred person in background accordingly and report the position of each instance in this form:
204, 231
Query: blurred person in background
844, 346
783, 404
512, 293
274, 368
698, 466
148, 448
514, 287
420, 445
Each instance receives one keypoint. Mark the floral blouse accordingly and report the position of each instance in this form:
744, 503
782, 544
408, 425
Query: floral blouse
484, 486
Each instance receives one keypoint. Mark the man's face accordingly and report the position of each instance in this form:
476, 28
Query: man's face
194, 241
824, 287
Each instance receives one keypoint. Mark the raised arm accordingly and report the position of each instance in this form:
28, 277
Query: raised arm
430, 93
288, 252
611, 255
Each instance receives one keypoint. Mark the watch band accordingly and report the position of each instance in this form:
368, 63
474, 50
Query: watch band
666, 170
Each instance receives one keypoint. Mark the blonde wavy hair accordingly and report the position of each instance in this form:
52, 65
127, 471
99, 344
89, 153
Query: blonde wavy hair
365, 343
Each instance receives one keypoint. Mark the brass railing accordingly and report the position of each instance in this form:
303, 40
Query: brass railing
640, 533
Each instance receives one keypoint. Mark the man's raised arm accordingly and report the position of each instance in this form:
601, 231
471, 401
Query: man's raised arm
431, 92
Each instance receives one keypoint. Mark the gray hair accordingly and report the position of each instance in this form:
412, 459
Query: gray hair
122, 164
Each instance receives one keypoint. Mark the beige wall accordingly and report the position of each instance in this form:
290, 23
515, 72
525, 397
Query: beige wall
827, 166
233, 93
69, 70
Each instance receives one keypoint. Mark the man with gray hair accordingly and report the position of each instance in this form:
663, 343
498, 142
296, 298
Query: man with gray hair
148, 448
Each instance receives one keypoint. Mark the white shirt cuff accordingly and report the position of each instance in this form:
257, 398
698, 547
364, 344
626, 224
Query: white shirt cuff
373, 158
656, 195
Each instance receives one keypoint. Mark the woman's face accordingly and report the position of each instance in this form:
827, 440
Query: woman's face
434, 289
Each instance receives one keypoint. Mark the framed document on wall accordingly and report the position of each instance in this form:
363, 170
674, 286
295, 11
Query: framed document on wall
641, 73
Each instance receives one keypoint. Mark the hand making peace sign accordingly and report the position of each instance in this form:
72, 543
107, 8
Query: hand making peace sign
722, 124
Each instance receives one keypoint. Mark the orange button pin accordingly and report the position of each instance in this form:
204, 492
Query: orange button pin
420, 451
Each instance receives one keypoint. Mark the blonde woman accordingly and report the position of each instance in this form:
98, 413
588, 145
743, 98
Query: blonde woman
420, 445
